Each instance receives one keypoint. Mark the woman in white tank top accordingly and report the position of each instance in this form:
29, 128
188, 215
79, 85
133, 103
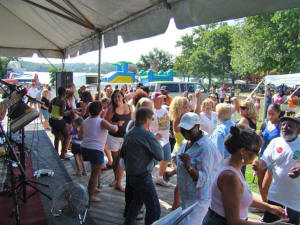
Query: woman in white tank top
93, 135
231, 196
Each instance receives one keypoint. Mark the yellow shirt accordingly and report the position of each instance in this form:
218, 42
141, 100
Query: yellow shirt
55, 112
179, 139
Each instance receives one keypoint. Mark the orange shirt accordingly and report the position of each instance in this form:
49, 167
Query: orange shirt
292, 101
168, 100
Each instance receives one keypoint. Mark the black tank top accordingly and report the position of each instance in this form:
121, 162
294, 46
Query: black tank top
122, 129
251, 123
68, 119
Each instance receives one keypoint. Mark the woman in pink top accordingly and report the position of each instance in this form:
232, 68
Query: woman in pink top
231, 196
279, 98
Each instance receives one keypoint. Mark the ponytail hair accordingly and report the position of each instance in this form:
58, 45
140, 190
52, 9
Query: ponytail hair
241, 136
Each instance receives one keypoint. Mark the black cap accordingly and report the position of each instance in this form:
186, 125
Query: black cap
164, 88
295, 119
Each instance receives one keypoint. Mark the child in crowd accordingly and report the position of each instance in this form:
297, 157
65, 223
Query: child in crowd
191, 101
257, 105
44, 109
76, 146
105, 102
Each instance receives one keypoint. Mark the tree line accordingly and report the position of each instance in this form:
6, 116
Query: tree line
263, 44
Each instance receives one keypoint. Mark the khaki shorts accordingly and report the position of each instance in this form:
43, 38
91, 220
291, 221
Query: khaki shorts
114, 144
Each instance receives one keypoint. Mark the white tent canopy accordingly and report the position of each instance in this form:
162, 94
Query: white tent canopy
289, 80
62, 28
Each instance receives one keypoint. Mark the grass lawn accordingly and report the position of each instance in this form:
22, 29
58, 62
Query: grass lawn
249, 171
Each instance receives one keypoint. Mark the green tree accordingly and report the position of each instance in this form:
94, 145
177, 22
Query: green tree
268, 43
3, 65
52, 72
207, 52
163, 59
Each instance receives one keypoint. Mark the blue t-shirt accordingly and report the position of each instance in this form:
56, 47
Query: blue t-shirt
268, 136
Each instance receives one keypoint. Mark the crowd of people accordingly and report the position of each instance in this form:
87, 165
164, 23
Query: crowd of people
203, 143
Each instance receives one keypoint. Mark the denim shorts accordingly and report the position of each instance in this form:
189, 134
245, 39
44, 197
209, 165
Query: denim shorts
92, 155
212, 218
45, 113
167, 152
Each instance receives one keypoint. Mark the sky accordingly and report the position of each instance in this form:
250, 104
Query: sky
130, 51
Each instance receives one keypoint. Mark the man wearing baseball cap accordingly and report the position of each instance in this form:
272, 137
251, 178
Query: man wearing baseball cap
284, 154
165, 91
160, 126
197, 162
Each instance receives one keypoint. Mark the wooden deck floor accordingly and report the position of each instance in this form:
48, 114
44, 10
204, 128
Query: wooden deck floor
110, 210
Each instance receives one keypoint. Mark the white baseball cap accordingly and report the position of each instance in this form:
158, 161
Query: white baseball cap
157, 95
189, 120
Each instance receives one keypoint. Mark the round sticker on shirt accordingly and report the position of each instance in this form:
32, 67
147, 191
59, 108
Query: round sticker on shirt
279, 150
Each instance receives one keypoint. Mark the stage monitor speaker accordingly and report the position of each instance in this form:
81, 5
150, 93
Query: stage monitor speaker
63, 79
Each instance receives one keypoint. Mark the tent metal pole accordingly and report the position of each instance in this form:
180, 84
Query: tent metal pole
265, 103
63, 64
99, 64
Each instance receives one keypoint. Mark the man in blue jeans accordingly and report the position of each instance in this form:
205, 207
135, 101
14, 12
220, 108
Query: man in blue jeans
139, 151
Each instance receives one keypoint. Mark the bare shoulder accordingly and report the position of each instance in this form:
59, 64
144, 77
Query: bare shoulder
244, 121
228, 178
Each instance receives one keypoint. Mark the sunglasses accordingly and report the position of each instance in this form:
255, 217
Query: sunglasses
243, 107
182, 130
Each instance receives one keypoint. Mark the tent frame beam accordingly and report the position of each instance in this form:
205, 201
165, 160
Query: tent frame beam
64, 10
80, 14
79, 22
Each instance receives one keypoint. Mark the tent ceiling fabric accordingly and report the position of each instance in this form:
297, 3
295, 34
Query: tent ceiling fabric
27, 29
289, 80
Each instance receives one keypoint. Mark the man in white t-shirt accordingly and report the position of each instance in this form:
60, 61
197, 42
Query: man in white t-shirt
33, 93
284, 154
160, 126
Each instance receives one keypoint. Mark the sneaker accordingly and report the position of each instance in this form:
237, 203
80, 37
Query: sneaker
162, 182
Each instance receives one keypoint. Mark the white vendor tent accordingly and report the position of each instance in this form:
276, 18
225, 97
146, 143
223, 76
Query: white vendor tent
289, 80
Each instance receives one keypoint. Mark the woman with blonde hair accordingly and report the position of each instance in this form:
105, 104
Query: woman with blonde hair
249, 117
248, 114
208, 118
224, 112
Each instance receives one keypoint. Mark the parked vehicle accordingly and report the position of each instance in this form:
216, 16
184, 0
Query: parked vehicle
176, 88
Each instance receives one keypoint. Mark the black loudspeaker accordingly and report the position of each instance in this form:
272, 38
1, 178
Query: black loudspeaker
63, 79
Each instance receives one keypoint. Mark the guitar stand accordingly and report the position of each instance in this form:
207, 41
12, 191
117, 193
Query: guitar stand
21, 187
14, 192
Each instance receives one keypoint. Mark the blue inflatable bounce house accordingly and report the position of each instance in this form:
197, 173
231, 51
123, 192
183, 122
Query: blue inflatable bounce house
150, 75
121, 75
